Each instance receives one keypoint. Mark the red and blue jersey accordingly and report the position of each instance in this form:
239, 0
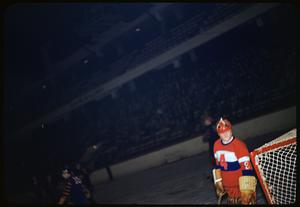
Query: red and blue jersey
233, 160
74, 191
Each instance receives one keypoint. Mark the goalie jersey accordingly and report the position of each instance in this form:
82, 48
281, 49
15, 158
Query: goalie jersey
233, 160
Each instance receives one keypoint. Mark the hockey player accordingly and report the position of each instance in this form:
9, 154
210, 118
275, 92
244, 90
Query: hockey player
233, 172
74, 192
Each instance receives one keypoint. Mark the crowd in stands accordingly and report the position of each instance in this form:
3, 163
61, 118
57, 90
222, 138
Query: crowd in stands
190, 27
77, 84
167, 104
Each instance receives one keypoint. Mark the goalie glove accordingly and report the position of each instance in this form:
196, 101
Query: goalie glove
247, 186
218, 183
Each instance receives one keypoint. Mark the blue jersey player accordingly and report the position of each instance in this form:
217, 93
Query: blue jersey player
74, 192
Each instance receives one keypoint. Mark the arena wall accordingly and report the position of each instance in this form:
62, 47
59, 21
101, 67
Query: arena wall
99, 176
277, 121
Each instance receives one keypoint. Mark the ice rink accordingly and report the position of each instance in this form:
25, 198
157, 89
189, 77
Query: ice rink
187, 181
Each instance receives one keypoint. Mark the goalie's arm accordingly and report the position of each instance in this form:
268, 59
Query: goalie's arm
218, 182
244, 160
247, 182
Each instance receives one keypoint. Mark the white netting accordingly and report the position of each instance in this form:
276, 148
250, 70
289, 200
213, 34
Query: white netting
278, 169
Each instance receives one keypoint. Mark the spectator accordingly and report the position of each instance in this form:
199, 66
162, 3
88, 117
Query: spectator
39, 192
210, 135
50, 189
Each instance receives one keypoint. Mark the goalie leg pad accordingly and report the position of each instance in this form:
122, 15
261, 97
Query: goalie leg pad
247, 183
247, 186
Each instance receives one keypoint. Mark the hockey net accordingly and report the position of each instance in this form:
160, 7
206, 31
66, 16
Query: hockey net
275, 166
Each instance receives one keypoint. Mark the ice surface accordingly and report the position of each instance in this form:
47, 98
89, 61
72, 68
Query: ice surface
187, 181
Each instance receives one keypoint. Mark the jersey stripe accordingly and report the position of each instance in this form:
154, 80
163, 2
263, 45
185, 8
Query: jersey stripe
231, 166
244, 159
229, 156
247, 172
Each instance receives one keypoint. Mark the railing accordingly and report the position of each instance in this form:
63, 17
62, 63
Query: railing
180, 33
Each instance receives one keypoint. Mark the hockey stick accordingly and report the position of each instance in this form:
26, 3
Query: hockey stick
220, 198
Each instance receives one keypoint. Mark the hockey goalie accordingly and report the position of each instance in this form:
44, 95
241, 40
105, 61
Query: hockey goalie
233, 172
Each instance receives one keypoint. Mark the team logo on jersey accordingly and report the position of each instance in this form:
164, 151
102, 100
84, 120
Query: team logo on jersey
247, 165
